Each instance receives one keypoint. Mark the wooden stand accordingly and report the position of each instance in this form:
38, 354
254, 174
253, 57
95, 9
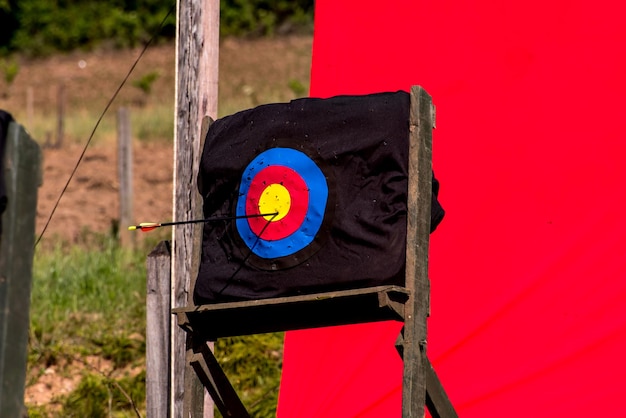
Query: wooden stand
409, 304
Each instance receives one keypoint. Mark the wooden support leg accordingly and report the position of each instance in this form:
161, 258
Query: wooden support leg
437, 400
215, 381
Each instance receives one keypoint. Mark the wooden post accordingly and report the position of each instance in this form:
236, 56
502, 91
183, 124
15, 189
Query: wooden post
418, 229
158, 332
125, 175
196, 97
23, 177
60, 115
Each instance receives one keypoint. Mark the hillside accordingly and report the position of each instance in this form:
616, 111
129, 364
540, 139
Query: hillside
252, 72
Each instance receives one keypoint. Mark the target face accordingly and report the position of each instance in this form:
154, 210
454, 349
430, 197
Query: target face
291, 191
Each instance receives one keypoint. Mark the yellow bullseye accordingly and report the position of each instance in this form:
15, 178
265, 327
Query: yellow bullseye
275, 198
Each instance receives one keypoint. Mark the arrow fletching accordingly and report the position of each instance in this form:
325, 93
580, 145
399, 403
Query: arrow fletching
144, 226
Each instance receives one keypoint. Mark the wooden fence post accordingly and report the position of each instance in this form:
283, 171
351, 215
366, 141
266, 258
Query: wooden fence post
22, 178
158, 332
196, 89
125, 175
60, 115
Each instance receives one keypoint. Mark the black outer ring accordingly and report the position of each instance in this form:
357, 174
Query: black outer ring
297, 258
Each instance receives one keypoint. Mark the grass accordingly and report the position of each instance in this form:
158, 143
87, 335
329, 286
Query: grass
100, 278
149, 123
88, 301
151, 120
154, 124
253, 365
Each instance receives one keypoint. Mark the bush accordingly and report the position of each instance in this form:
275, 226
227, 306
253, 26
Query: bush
9, 69
264, 17
44, 26
39, 27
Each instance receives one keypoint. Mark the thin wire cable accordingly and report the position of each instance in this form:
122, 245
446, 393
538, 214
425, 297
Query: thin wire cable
93, 132
245, 259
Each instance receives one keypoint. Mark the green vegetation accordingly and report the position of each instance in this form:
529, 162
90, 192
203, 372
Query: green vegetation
39, 27
88, 302
43, 26
157, 123
79, 285
88, 320
264, 17
10, 69
98, 396
148, 124
297, 88
145, 82
253, 365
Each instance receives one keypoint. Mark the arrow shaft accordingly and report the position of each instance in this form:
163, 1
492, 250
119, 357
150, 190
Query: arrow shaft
217, 219
151, 226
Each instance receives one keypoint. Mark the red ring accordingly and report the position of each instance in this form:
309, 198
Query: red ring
299, 194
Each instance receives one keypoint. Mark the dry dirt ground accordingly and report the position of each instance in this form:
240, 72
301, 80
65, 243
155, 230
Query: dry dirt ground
251, 72
91, 201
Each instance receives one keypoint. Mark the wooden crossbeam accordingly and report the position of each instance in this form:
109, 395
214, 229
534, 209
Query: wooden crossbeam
205, 320
380, 303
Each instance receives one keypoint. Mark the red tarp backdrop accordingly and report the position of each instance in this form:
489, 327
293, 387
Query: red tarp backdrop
528, 269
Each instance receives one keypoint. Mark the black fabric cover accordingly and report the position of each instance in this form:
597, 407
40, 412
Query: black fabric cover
5, 119
361, 143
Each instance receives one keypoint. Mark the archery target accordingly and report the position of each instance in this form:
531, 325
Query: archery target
291, 191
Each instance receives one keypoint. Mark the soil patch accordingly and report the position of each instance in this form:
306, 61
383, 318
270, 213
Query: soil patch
91, 201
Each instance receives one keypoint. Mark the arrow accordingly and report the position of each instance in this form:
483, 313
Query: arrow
149, 226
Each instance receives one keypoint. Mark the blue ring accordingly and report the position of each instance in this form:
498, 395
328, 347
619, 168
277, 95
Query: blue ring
318, 197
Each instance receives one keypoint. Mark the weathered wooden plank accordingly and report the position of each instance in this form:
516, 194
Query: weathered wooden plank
158, 319
196, 96
418, 229
295, 312
125, 175
437, 400
22, 178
